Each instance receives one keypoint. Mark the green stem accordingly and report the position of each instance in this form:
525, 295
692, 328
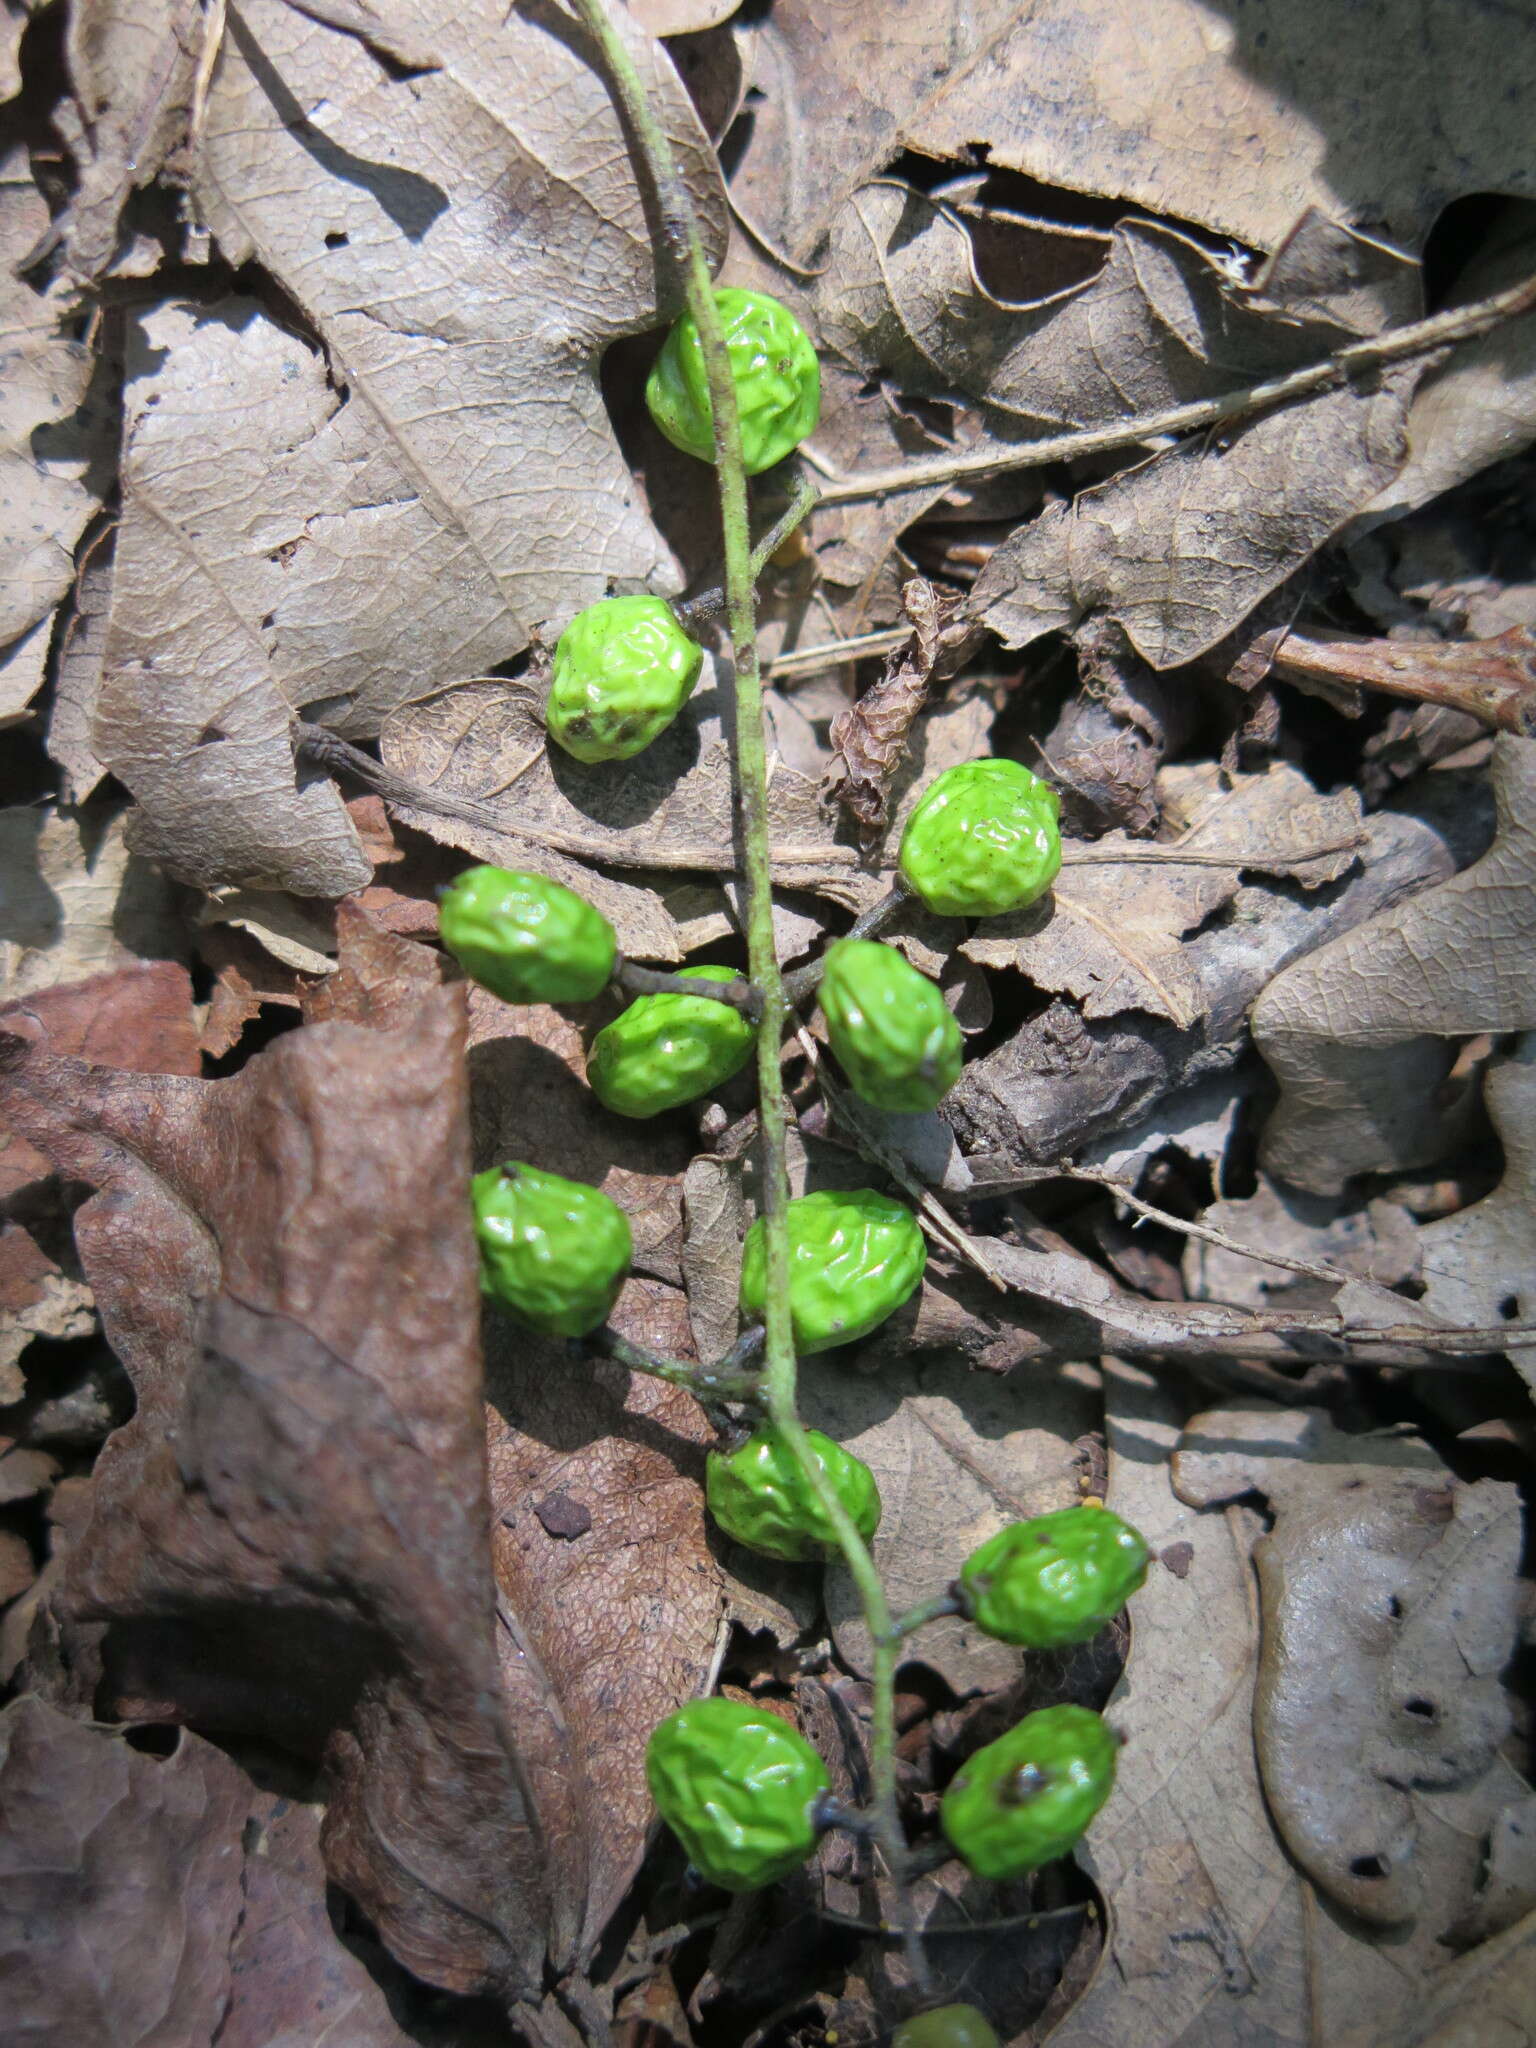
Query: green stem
732, 1379
692, 611
919, 1617
681, 229
806, 980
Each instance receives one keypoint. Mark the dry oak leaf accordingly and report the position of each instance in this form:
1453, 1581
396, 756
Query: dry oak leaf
1239, 119
1336, 1025
290, 1534
601, 1636
1390, 1600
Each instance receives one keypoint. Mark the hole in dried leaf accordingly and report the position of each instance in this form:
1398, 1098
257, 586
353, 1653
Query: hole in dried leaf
1367, 1866
1509, 1308
1421, 1709
338, 238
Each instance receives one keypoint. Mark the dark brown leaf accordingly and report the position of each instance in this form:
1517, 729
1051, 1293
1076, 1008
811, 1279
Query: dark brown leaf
290, 1534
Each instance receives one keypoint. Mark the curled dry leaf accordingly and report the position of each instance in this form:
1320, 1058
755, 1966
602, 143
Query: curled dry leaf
1391, 1605
135, 67
1338, 1026
46, 445
870, 739
284, 1263
1379, 1243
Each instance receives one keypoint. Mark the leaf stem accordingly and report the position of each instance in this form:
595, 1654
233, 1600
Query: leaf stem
636, 980
680, 228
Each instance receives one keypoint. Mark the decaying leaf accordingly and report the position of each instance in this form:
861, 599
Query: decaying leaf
284, 1263
1390, 1609
1205, 1936
46, 445
78, 902
1337, 1026
1379, 1243
869, 740
1179, 551
606, 1632
1480, 1264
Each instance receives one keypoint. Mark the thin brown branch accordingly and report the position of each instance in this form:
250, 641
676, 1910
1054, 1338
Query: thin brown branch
1400, 344
1493, 681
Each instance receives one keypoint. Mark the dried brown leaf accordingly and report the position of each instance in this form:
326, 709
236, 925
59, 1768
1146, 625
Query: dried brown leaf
78, 902
607, 1631
120, 1884
870, 740
1390, 1600
1480, 1264
135, 67
1180, 550
46, 445
301, 1487
1061, 1082
1454, 959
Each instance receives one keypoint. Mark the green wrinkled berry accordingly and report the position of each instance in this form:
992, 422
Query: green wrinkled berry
854, 1257
525, 938
623, 669
947, 2026
668, 1049
983, 841
889, 1026
761, 1498
1026, 1798
1054, 1580
553, 1252
739, 1789
773, 366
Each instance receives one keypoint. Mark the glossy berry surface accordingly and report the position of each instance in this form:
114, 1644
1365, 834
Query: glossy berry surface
1055, 1579
622, 671
854, 1257
553, 1252
947, 2026
983, 841
889, 1026
1026, 1798
525, 938
774, 369
760, 1497
668, 1049
738, 1787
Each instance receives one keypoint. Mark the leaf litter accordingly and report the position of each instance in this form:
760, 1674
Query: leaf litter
1230, 1212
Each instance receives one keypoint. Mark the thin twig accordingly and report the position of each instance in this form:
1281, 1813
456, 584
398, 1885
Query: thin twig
1493, 681
806, 980
1462, 323
1124, 1192
708, 604
801, 661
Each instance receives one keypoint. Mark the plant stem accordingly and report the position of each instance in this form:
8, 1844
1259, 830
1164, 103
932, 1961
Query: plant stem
680, 228
655, 981
919, 1617
805, 980
732, 1379
692, 611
